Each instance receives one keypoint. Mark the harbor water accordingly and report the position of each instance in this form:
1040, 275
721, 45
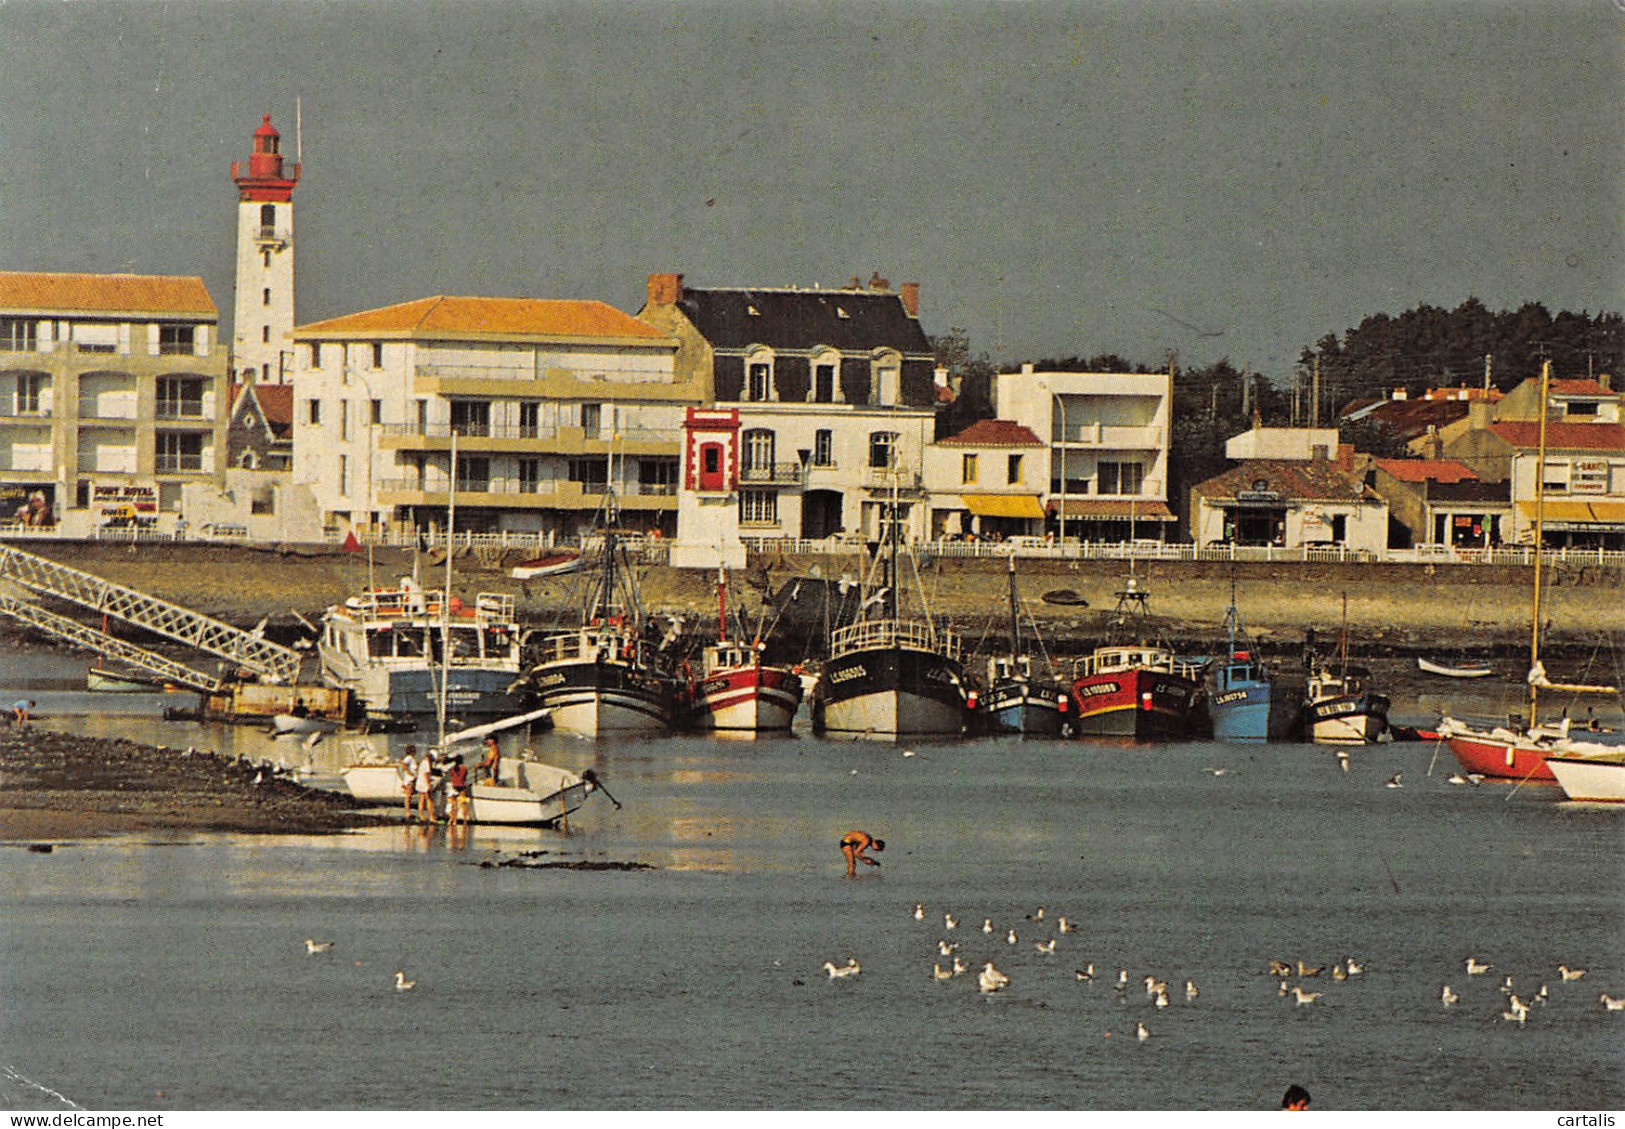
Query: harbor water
169, 970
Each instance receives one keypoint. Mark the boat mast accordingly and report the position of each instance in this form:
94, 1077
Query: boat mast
1540, 516
445, 603
722, 605
1015, 621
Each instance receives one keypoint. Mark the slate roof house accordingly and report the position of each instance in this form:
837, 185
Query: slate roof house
834, 395
1289, 503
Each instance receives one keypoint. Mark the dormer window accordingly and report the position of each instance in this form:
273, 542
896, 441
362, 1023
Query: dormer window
759, 375
825, 386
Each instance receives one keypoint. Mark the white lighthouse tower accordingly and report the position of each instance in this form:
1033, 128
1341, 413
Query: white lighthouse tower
263, 325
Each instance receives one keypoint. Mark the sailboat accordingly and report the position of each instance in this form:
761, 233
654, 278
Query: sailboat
734, 689
1241, 701
1131, 687
600, 677
1020, 698
887, 676
1339, 707
1520, 754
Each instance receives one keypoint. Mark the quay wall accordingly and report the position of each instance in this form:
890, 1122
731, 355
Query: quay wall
1430, 609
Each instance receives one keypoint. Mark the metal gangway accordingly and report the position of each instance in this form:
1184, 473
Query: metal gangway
270, 662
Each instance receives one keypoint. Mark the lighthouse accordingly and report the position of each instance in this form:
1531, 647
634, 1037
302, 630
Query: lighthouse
263, 322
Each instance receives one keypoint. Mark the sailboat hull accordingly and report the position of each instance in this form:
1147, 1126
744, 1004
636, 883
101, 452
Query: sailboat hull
1501, 757
892, 692
1598, 780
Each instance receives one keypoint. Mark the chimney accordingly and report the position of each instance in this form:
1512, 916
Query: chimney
1480, 414
1606, 380
909, 292
665, 289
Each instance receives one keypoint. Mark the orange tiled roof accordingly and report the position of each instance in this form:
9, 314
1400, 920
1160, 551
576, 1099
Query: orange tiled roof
105, 293
518, 317
1579, 386
994, 433
1562, 436
1424, 470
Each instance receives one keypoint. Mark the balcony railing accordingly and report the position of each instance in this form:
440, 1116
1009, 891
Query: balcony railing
778, 474
187, 409
521, 487
524, 431
890, 478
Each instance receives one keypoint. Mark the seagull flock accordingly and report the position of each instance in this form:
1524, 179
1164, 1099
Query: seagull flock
1303, 983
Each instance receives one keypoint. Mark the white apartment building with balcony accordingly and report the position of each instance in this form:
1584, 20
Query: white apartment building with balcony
1107, 435
552, 401
113, 395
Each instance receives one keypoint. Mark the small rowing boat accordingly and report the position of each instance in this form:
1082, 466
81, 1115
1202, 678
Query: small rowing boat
1476, 670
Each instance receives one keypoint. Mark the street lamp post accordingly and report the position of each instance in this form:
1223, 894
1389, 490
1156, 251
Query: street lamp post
1056, 396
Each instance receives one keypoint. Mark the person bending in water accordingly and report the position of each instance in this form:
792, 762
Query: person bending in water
1295, 1098
854, 843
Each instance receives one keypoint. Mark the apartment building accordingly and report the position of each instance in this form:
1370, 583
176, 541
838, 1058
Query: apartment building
112, 398
551, 402
1107, 435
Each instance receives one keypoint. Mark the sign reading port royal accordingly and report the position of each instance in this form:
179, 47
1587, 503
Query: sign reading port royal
125, 505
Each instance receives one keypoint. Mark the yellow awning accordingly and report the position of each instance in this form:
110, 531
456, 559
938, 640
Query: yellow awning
1574, 512
1003, 505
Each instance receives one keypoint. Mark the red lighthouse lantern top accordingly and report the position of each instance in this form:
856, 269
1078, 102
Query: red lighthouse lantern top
264, 178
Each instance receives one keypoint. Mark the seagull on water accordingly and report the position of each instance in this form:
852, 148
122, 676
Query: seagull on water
402, 984
1011, 937
1217, 771
1122, 979
1305, 970
1518, 1017
960, 967
1286, 989
1084, 973
1339, 973
1162, 999
1280, 968
1190, 990
942, 973
1506, 985
841, 972
1305, 997
1036, 915
946, 948
1571, 973
1394, 780
1343, 759
1066, 926
1477, 967
1611, 1003
1447, 997
1353, 969
1141, 1033
987, 925
1046, 947
1154, 986
948, 921
919, 912
1540, 996
314, 947
990, 979
1455, 778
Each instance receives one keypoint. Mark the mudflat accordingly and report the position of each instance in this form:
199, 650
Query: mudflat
59, 786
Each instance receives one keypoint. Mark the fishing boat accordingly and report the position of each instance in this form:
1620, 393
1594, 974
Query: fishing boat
600, 677
1518, 751
1138, 690
1020, 696
1444, 670
1241, 702
888, 676
386, 647
102, 680
734, 690
1339, 707
1595, 777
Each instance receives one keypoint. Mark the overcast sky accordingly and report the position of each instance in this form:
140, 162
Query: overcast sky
1221, 179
